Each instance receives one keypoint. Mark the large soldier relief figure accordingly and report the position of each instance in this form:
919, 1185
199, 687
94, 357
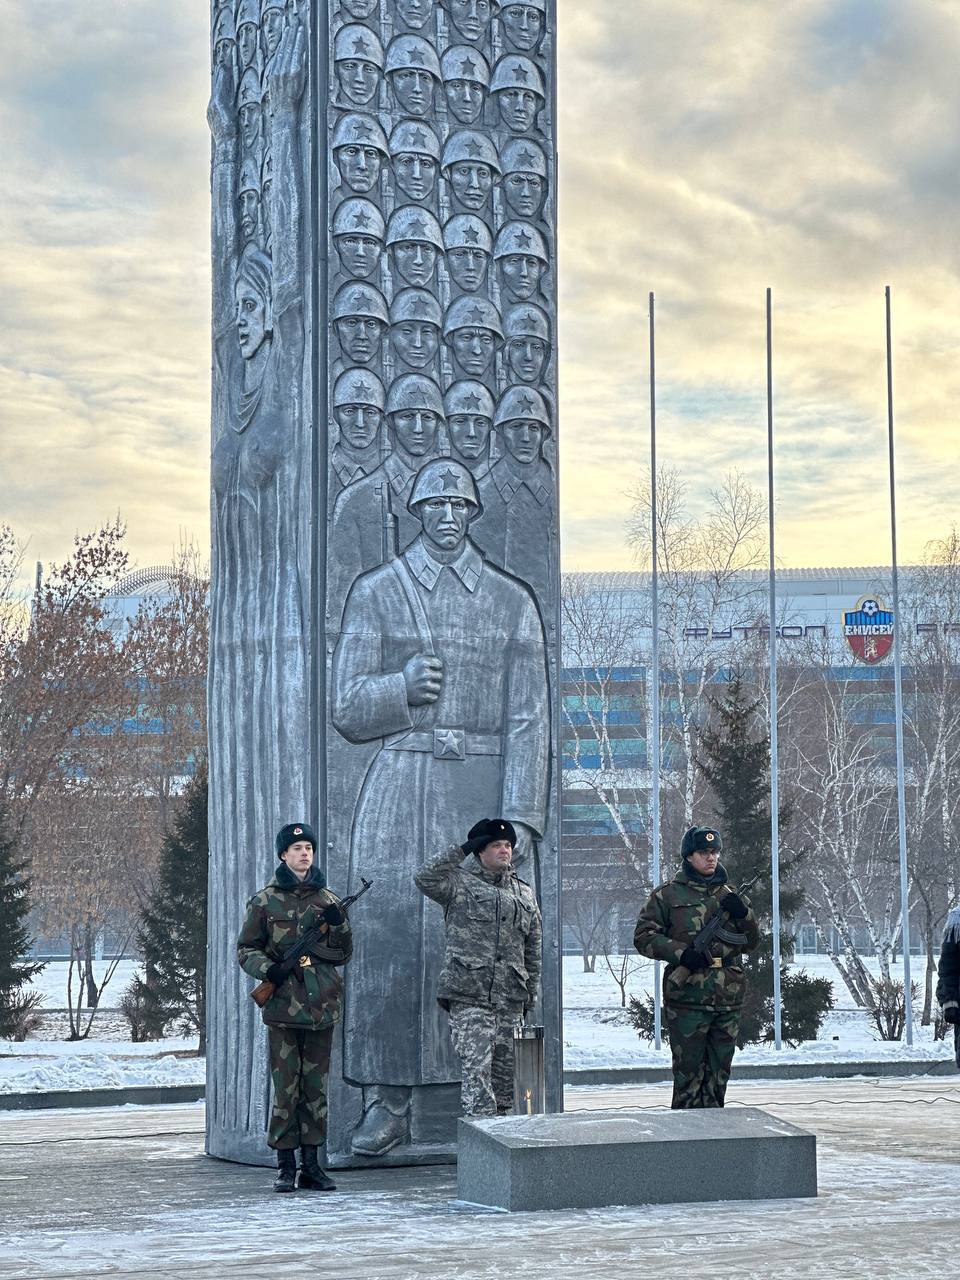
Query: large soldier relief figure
441, 663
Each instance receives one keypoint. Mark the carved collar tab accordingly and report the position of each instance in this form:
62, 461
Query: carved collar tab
426, 570
509, 483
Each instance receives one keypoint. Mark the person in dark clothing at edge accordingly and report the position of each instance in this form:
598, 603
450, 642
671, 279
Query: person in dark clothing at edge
948, 977
703, 1013
301, 1014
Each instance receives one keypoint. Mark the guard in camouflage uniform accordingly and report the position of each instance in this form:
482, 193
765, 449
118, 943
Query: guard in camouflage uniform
492, 959
948, 977
703, 1012
304, 1009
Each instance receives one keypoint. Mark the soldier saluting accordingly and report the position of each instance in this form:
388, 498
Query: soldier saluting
703, 1011
305, 1007
492, 960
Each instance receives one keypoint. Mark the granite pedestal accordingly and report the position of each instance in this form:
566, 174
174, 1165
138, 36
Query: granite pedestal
591, 1159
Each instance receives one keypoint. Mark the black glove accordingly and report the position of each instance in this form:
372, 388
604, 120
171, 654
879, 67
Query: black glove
694, 960
276, 973
734, 906
474, 845
952, 1014
333, 915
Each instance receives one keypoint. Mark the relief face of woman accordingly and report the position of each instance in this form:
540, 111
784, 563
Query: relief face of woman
252, 319
416, 175
416, 261
472, 183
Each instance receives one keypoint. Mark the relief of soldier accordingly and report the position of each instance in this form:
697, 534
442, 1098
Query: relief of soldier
441, 662
524, 23
248, 190
415, 157
360, 319
471, 165
468, 248
527, 345
358, 234
358, 406
470, 19
473, 333
466, 79
273, 16
492, 958
703, 1010
469, 408
359, 10
520, 253
519, 90
359, 151
415, 416
517, 530
248, 36
524, 177
414, 14
358, 65
413, 72
414, 242
266, 199
250, 106
415, 320
224, 39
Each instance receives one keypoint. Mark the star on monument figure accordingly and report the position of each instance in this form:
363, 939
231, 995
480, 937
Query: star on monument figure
361, 390
524, 240
473, 148
360, 299
476, 315
527, 158
360, 46
521, 74
419, 228
468, 69
526, 404
415, 56
449, 742
471, 235
451, 479
472, 401
361, 131
418, 138
419, 306
361, 218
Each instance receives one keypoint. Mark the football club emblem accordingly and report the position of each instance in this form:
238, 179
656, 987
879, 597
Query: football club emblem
868, 629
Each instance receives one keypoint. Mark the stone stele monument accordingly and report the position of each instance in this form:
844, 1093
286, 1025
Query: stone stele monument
384, 331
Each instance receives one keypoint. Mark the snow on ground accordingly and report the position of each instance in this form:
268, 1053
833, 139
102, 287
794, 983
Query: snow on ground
51, 983
595, 1034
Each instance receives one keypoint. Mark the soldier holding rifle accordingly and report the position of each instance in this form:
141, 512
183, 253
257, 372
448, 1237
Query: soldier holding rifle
295, 934
701, 929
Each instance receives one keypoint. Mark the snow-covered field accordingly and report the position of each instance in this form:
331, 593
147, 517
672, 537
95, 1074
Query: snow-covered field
595, 1034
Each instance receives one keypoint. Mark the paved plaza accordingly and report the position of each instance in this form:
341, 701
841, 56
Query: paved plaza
128, 1193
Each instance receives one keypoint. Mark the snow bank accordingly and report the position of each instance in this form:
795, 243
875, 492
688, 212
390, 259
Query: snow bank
23, 1073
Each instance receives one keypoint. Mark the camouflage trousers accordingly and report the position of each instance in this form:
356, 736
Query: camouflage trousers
702, 1042
299, 1062
483, 1039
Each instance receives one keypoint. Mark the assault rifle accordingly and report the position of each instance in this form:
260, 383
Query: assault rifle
715, 930
262, 992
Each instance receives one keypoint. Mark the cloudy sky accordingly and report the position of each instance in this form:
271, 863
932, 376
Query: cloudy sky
707, 150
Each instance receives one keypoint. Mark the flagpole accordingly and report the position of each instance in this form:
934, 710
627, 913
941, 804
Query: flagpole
898, 698
774, 703
653, 737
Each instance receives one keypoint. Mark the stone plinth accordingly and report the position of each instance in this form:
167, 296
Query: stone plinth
588, 1160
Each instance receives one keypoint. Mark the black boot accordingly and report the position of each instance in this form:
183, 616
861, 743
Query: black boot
312, 1175
287, 1171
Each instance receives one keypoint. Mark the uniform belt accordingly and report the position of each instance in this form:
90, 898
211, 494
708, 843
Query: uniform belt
448, 743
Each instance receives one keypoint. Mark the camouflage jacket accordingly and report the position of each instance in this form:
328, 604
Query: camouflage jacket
674, 915
493, 942
280, 913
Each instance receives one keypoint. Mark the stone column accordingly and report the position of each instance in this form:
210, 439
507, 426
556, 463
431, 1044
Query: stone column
384, 235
